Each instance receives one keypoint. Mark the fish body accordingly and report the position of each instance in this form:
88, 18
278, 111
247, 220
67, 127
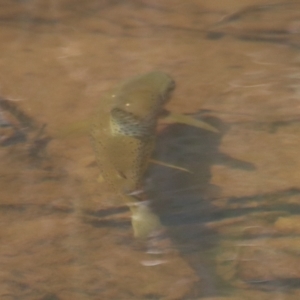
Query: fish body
123, 129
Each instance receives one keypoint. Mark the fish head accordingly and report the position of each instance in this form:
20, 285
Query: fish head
144, 96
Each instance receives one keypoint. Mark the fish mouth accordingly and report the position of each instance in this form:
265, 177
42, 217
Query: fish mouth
127, 124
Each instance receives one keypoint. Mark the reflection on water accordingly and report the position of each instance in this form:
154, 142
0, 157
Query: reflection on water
232, 225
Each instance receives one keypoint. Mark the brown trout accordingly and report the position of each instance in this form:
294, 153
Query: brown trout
123, 137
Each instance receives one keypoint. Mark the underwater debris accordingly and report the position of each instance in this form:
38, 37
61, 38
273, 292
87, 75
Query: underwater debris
18, 127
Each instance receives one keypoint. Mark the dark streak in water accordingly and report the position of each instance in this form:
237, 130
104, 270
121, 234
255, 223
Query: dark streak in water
121, 224
280, 284
108, 211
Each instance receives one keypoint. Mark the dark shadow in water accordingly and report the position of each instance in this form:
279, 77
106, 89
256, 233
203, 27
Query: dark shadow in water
51, 297
237, 25
181, 199
281, 285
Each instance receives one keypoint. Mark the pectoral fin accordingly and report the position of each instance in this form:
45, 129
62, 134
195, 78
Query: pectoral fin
169, 165
188, 120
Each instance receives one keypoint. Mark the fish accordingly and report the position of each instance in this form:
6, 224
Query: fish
123, 133
123, 137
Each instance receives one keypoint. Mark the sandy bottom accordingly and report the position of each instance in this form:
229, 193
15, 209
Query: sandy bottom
232, 225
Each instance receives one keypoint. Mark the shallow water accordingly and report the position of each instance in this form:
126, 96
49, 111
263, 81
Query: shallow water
232, 225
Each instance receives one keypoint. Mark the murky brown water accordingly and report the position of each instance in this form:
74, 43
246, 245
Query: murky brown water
232, 225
